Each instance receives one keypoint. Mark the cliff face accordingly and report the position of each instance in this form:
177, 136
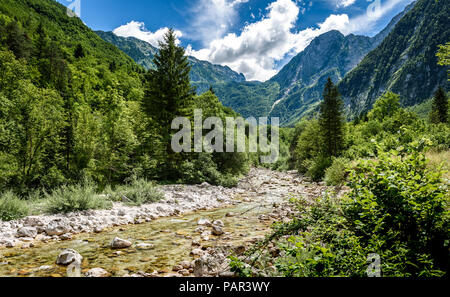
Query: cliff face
405, 62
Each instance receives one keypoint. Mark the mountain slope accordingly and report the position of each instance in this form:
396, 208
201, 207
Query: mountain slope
405, 62
203, 73
300, 82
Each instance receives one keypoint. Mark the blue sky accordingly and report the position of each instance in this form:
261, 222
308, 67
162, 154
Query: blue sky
254, 37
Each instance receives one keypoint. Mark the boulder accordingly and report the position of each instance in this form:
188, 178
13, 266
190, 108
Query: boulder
58, 227
68, 256
27, 232
119, 243
217, 230
199, 267
33, 221
218, 223
97, 272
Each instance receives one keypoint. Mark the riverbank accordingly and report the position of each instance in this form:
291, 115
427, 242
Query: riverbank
186, 236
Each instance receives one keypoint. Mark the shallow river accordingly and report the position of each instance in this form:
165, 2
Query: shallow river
172, 238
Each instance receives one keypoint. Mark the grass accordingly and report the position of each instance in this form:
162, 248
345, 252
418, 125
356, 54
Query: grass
137, 192
75, 198
437, 159
12, 207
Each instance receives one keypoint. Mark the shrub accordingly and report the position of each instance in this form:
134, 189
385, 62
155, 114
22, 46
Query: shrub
336, 173
11, 207
317, 167
75, 198
138, 192
397, 209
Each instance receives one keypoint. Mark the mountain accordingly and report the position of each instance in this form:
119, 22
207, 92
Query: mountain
203, 73
300, 82
405, 62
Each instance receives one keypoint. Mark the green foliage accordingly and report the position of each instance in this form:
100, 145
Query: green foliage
397, 208
385, 106
11, 207
444, 55
139, 191
73, 198
336, 174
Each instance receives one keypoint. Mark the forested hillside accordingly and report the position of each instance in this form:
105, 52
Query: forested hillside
71, 107
203, 74
405, 62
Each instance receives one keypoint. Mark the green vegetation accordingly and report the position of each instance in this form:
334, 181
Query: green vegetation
136, 192
11, 207
73, 198
439, 107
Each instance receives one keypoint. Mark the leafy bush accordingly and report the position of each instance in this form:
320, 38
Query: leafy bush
75, 198
317, 167
397, 209
138, 192
336, 173
11, 207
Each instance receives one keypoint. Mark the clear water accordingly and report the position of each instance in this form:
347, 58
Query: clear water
172, 238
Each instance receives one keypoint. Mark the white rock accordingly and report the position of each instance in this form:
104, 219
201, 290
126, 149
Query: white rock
119, 243
217, 230
204, 222
97, 272
58, 227
68, 256
144, 246
27, 232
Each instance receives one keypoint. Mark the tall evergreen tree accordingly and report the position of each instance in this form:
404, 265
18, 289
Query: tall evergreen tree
439, 111
168, 95
332, 120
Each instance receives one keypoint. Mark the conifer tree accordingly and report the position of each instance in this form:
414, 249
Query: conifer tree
168, 94
79, 52
439, 111
332, 120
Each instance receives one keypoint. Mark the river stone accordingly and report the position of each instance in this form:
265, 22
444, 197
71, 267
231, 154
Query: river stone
27, 232
218, 223
144, 246
68, 256
199, 268
97, 272
33, 221
186, 264
119, 243
204, 222
58, 227
217, 230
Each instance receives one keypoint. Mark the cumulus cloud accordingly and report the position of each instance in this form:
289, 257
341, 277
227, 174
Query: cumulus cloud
256, 49
260, 45
212, 19
344, 3
138, 30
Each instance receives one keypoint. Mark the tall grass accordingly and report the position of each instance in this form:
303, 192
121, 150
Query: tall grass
137, 192
75, 198
11, 207
439, 159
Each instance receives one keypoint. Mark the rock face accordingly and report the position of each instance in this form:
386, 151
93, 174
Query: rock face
68, 256
97, 272
30, 232
119, 243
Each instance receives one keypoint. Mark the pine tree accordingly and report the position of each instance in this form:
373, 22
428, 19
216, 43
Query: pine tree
332, 120
168, 95
439, 110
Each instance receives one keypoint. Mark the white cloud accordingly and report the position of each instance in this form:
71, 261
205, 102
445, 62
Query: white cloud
255, 51
137, 30
345, 3
260, 44
212, 19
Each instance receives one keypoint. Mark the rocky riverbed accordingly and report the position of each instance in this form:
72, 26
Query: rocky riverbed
190, 232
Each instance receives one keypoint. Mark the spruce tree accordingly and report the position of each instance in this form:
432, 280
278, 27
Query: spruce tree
332, 120
439, 111
168, 95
